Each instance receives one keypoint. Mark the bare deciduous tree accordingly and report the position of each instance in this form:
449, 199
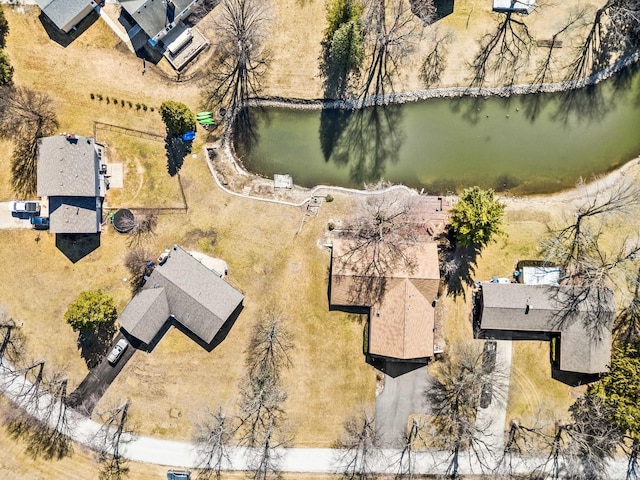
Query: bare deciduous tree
504, 52
269, 346
139, 262
454, 395
626, 328
113, 434
376, 241
586, 265
261, 418
261, 399
265, 463
360, 445
435, 62
582, 445
12, 340
240, 55
412, 441
212, 438
143, 228
392, 32
25, 116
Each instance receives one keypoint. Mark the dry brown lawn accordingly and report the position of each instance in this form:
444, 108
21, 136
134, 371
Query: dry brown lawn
271, 263
297, 30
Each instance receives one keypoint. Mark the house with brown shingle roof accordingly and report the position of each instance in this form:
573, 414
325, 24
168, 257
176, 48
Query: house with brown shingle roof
182, 290
582, 338
401, 316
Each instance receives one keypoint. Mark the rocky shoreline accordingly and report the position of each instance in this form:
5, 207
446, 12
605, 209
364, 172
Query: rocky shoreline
253, 185
448, 92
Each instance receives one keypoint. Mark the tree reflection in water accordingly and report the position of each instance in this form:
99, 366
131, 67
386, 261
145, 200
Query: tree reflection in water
363, 140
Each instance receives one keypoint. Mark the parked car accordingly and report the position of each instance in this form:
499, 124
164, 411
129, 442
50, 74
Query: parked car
117, 351
489, 356
40, 223
178, 475
25, 207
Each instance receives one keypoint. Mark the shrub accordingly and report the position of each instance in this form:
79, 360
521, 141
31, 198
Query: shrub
92, 96
138, 106
329, 198
107, 99
144, 107
100, 97
122, 103
130, 104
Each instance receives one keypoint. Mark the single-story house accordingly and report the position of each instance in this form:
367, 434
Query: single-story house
515, 6
181, 288
70, 174
156, 18
582, 341
401, 318
66, 14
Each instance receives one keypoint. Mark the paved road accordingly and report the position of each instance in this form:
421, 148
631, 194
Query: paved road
8, 222
321, 460
92, 388
402, 396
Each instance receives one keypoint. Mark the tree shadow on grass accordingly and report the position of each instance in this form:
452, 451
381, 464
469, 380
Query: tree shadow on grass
458, 265
94, 345
177, 149
42, 440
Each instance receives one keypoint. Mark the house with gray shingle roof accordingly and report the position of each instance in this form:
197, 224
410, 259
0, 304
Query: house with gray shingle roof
158, 17
66, 14
183, 290
69, 176
583, 338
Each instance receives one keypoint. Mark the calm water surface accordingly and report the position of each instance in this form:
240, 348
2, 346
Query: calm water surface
526, 144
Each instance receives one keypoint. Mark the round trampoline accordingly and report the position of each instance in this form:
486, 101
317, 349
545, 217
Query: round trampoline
123, 220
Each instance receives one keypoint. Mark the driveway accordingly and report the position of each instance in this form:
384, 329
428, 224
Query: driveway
491, 420
8, 222
401, 396
90, 391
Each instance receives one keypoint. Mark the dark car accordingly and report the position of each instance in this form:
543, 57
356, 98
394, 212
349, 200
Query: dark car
485, 395
40, 223
489, 356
